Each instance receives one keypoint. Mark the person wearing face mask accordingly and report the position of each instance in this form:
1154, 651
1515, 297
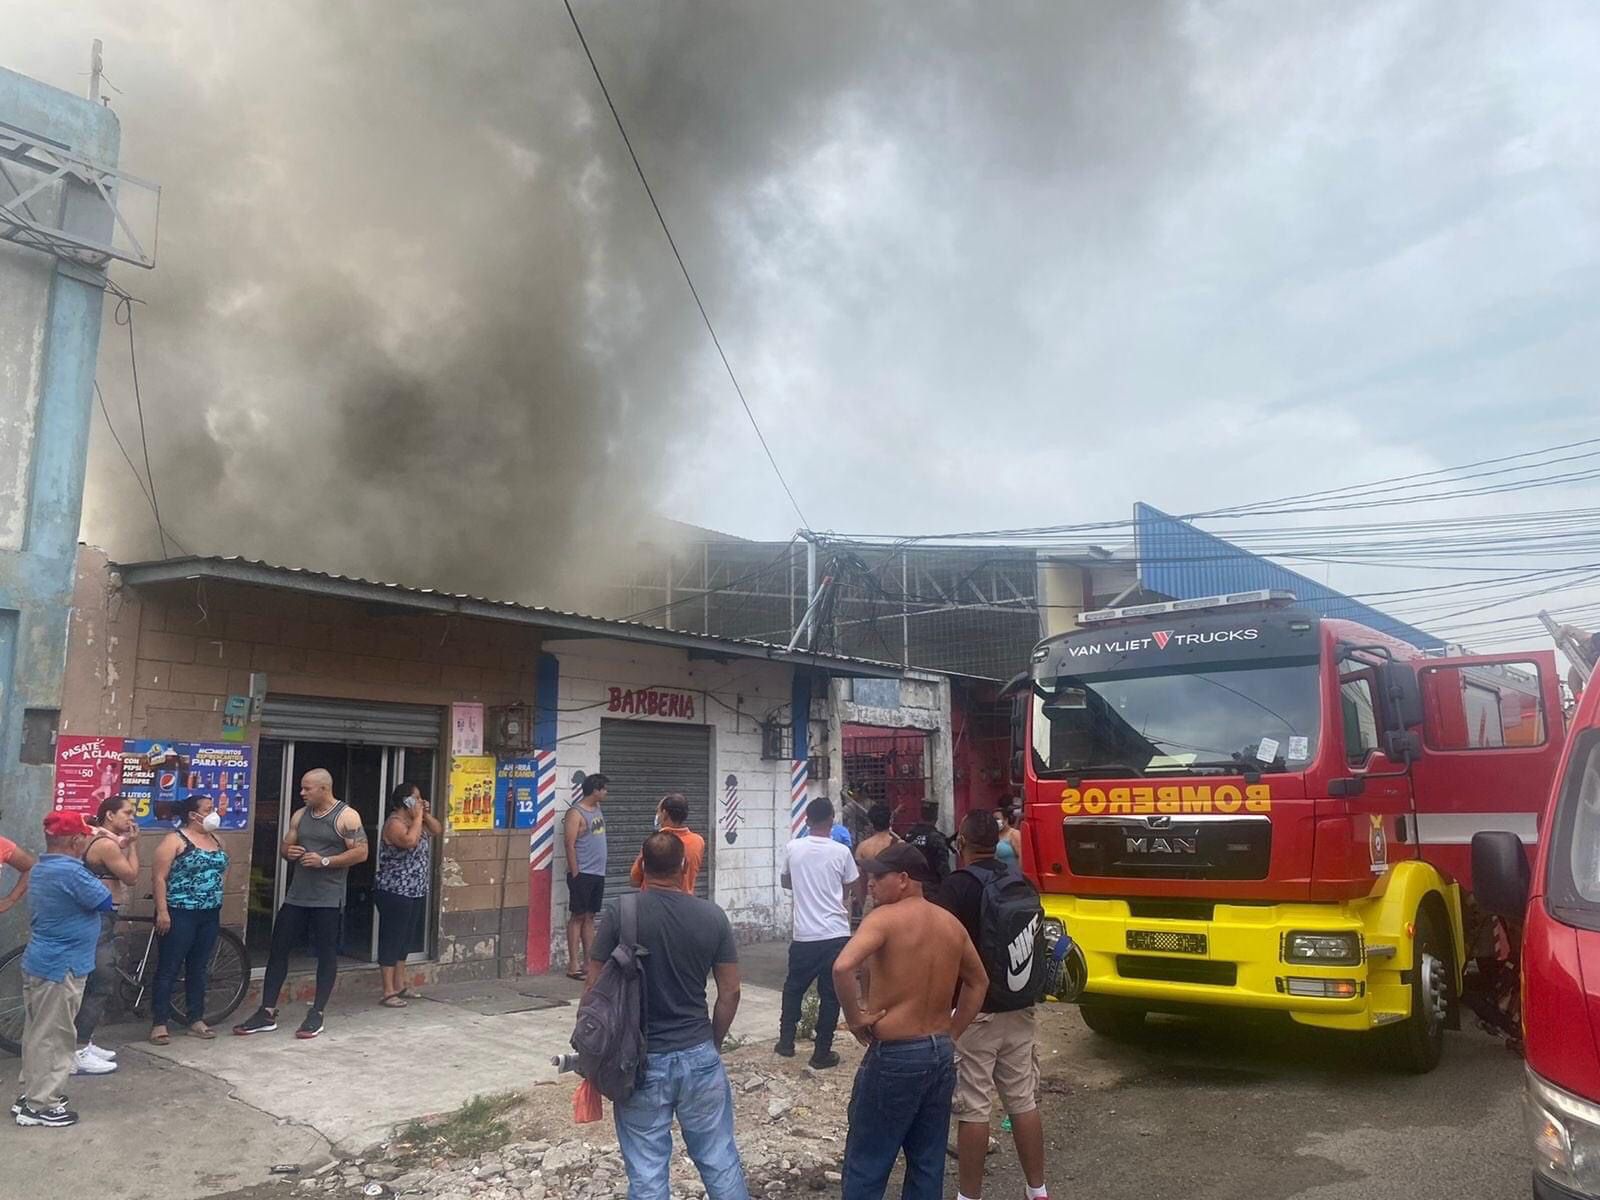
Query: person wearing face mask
400, 887
189, 866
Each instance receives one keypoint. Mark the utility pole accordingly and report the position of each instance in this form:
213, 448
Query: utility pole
96, 70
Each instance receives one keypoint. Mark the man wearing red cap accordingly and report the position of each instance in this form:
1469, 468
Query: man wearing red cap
65, 902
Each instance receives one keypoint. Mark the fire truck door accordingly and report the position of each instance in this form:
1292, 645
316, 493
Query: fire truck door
1380, 813
1491, 743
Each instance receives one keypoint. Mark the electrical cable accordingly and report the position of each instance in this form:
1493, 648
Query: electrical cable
127, 458
682, 266
123, 315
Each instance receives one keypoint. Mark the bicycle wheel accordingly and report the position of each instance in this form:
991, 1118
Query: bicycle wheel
12, 1014
225, 986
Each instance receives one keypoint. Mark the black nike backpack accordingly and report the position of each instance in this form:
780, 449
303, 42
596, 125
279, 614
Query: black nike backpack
1011, 938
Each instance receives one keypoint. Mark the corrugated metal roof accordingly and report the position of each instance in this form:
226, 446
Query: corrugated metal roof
264, 574
1185, 563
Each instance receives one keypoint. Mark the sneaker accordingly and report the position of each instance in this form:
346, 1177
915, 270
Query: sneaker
100, 1052
784, 1049
84, 1063
311, 1026
823, 1061
263, 1020
56, 1116
20, 1101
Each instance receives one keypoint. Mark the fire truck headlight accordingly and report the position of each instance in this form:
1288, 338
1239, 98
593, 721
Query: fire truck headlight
1566, 1136
1328, 949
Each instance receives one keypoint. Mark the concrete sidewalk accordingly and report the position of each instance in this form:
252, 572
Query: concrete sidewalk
272, 1099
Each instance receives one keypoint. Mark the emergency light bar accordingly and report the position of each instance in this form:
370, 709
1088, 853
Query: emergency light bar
1199, 604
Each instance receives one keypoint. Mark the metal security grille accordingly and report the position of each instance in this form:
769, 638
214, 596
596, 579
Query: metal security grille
887, 766
644, 760
1166, 942
303, 718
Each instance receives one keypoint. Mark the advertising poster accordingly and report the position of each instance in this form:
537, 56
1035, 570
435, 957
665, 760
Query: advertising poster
516, 797
234, 717
466, 730
88, 769
472, 787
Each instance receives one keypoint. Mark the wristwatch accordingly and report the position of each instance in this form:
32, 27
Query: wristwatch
326, 860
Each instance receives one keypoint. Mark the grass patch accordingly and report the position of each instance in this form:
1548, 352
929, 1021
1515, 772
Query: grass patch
474, 1128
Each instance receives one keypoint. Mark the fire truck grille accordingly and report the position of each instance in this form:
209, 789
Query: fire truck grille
1166, 942
1109, 847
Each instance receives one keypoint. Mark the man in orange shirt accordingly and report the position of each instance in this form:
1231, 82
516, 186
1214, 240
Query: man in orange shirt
672, 814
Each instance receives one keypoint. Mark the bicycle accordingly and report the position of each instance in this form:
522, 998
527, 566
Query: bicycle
225, 988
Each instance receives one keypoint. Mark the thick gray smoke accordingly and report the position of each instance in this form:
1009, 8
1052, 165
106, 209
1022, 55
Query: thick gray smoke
413, 318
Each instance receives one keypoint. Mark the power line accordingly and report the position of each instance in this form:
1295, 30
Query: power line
123, 315
693, 291
127, 458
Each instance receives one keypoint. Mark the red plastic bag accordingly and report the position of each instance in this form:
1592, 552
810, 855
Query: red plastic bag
586, 1103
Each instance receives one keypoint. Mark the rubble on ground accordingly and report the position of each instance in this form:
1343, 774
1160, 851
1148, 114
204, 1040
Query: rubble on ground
789, 1120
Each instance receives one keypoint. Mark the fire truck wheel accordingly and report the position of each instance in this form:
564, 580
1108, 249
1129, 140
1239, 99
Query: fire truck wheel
1112, 1021
1418, 1044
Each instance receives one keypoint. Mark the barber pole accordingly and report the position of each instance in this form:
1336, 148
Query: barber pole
799, 776
730, 810
541, 860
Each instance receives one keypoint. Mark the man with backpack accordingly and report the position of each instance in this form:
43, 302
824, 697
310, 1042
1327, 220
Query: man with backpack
998, 1052
677, 940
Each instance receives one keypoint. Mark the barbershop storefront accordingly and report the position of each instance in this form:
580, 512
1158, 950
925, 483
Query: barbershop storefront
257, 674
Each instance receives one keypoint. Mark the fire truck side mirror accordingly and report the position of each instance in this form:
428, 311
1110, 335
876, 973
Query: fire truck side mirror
1501, 879
1403, 693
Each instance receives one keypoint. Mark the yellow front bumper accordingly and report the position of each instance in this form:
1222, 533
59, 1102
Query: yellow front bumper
1242, 964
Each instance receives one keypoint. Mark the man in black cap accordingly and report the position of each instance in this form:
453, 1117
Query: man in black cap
916, 952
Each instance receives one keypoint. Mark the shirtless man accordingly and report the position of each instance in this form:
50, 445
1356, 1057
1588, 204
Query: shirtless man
916, 952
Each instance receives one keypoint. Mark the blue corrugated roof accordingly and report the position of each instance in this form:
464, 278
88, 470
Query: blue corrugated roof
1185, 563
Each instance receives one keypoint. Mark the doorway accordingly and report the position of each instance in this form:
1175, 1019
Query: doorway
363, 776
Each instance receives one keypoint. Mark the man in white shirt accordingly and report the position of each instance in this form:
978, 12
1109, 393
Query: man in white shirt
821, 873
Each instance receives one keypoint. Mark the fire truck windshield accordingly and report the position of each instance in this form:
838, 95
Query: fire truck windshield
1208, 719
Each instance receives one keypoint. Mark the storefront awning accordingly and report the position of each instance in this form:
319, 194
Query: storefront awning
548, 621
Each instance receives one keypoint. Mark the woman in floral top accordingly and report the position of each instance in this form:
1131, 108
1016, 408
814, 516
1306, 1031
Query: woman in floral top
189, 866
400, 889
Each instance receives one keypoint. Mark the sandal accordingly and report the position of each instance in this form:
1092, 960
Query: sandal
394, 1001
160, 1039
579, 976
204, 1032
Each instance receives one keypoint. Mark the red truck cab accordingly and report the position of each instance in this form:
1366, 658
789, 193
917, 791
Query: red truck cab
1558, 902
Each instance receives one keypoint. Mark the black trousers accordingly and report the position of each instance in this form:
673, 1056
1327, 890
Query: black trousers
294, 922
811, 961
397, 919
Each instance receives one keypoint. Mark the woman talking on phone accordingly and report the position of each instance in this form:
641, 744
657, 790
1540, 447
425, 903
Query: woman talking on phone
400, 887
189, 866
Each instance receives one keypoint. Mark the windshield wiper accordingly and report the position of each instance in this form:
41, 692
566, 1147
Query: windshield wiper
1111, 768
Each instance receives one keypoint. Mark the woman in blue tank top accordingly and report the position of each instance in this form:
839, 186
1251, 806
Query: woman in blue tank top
189, 866
1009, 848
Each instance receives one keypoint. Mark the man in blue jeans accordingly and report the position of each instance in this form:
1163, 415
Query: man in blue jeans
915, 952
685, 940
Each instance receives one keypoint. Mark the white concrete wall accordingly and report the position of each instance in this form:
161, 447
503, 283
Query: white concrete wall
732, 699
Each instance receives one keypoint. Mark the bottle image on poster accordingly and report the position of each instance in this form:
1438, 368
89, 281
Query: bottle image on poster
472, 791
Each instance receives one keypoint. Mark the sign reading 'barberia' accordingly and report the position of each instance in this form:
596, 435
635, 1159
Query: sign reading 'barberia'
651, 702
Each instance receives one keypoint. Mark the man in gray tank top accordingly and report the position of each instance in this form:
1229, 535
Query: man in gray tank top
325, 839
584, 831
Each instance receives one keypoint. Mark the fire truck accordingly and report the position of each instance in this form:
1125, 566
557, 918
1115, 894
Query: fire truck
1235, 804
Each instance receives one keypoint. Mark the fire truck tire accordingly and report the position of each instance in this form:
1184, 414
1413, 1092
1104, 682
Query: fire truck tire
1417, 1045
1112, 1021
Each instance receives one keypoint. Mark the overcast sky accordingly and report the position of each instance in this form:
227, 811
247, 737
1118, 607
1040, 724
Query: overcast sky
976, 265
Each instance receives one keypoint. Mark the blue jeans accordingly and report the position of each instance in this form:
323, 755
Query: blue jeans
693, 1085
187, 947
901, 1099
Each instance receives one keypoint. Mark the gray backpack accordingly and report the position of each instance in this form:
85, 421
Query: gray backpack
609, 1036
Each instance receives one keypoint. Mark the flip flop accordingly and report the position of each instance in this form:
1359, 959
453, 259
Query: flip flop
161, 1039
205, 1035
579, 976
394, 1001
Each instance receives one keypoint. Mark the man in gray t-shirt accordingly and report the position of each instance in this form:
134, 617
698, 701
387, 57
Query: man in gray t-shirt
685, 939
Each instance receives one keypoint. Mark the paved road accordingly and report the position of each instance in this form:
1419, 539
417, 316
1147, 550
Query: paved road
1199, 1111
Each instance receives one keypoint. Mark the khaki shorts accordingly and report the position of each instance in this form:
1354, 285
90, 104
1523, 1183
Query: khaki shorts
999, 1053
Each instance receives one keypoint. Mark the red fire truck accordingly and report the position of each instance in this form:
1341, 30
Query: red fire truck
1236, 804
1557, 904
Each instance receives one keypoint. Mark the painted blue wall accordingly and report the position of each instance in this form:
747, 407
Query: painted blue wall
1185, 563
54, 344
